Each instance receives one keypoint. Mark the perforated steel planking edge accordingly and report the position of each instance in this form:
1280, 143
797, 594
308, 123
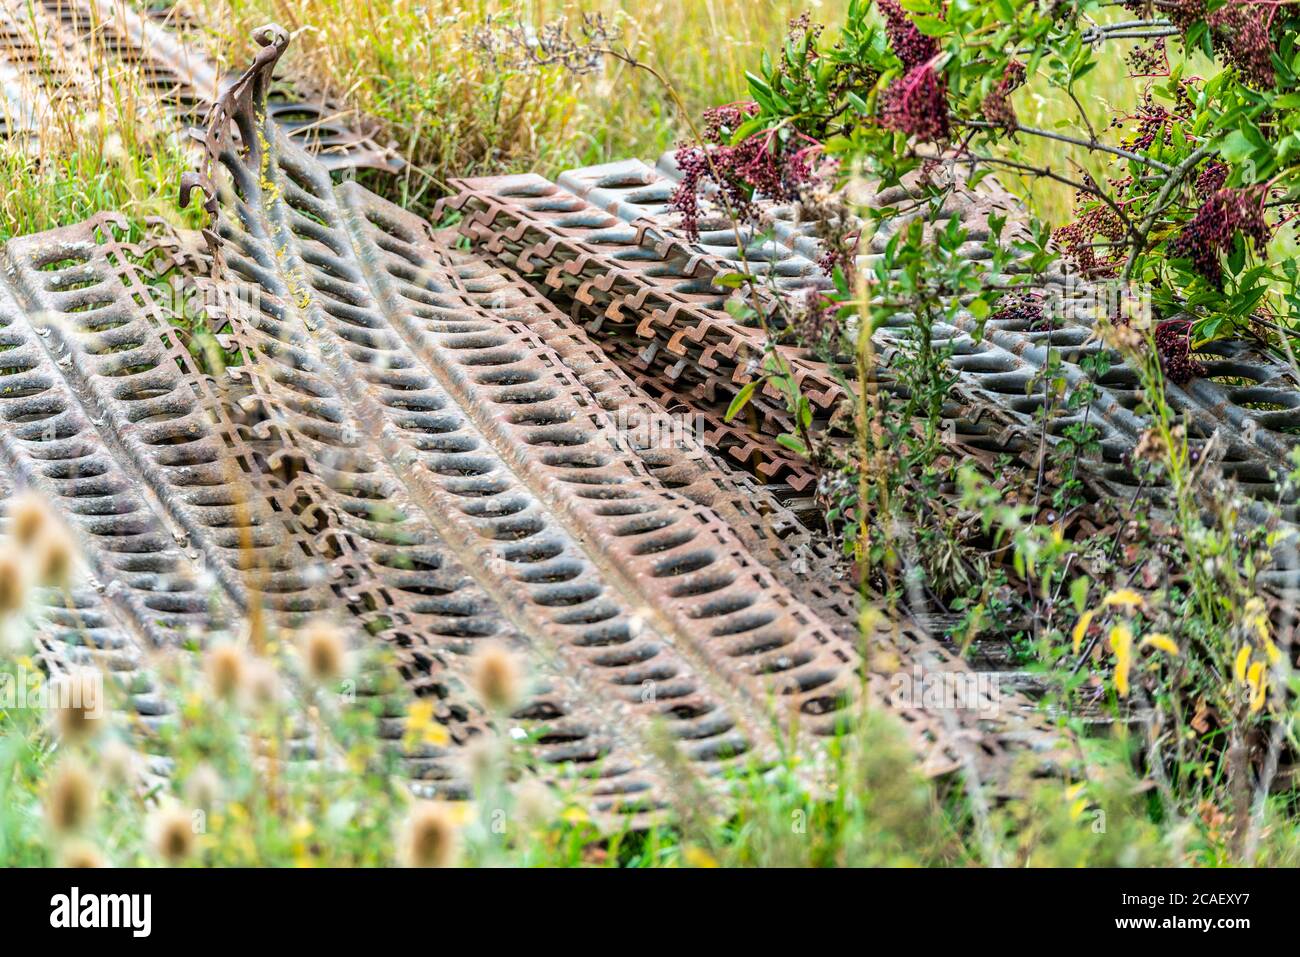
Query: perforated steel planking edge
362, 292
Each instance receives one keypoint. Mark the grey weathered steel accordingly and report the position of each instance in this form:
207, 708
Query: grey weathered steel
607, 237
481, 433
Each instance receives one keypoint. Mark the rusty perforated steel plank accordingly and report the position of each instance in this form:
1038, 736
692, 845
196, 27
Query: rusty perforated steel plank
497, 451
1259, 439
48, 49
616, 217
647, 301
155, 472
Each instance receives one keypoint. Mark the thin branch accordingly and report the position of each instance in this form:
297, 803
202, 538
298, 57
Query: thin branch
1163, 198
1043, 171
1092, 144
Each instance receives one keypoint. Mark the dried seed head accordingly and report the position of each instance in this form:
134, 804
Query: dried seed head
430, 837
497, 677
263, 688
226, 669
203, 787
483, 760
535, 803
324, 650
13, 583
1150, 447
172, 833
78, 699
81, 854
118, 763
70, 798
55, 555
1123, 337
29, 516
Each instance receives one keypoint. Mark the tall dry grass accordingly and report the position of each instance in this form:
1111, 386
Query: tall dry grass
87, 136
416, 68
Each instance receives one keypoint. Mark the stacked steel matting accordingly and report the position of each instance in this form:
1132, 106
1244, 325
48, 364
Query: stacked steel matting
605, 239
432, 444
50, 49
416, 442
636, 581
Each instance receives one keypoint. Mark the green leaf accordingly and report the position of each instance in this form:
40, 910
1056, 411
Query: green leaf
1236, 147
742, 398
930, 26
793, 443
730, 280
738, 309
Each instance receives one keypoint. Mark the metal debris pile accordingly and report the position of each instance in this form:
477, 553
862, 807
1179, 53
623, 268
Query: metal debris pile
433, 441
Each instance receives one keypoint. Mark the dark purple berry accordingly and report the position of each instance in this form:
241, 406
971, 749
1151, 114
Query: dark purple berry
1208, 235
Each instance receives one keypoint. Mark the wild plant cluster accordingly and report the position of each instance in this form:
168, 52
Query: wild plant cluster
1148, 625
1154, 613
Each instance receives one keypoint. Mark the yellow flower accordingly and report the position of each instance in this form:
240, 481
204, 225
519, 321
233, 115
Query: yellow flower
1125, 598
1270, 649
1243, 659
1162, 641
1077, 799
1257, 617
422, 728
575, 815
698, 857
1081, 629
1258, 686
1121, 642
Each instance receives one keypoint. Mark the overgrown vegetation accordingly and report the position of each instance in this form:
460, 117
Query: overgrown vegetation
1155, 141
1172, 622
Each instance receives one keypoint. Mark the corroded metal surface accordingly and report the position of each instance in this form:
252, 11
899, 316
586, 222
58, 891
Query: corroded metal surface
615, 220
105, 414
401, 371
649, 295
416, 442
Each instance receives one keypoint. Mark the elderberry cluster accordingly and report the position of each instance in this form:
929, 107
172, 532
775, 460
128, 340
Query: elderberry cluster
1174, 346
1240, 35
1096, 228
1239, 31
910, 45
1026, 308
997, 107
917, 104
760, 165
1153, 60
1152, 120
1210, 179
1208, 235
